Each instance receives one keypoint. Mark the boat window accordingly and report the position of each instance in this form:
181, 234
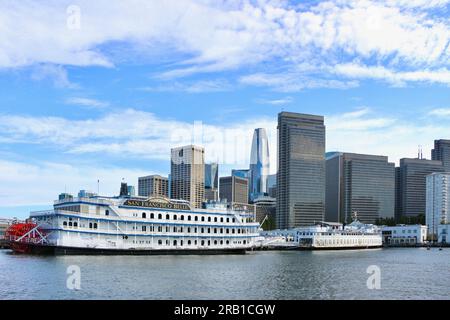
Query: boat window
228, 219
215, 242
228, 242
107, 213
215, 230
189, 230
182, 218
196, 218
209, 230
209, 219
189, 218
160, 242
203, 219
167, 217
181, 243
215, 219
75, 224
203, 242
174, 217
221, 219
202, 230
95, 226
189, 242
144, 228
70, 224
174, 242
90, 225
159, 216
209, 242
144, 215
65, 223
152, 216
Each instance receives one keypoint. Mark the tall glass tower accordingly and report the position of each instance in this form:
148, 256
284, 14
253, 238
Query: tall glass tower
301, 170
259, 165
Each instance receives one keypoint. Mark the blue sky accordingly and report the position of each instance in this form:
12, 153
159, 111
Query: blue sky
103, 91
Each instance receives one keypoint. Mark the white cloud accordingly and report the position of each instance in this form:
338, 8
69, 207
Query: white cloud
40, 183
276, 102
440, 112
203, 86
86, 102
54, 73
211, 36
398, 78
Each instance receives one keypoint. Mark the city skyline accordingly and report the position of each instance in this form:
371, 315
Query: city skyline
103, 105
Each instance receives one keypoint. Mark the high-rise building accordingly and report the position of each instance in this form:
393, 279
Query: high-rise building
441, 152
241, 173
301, 170
359, 183
411, 186
272, 186
234, 189
437, 202
212, 182
153, 186
259, 165
188, 175
131, 191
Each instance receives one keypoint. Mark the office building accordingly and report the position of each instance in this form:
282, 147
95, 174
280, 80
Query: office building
301, 170
411, 186
131, 191
259, 165
437, 202
405, 235
359, 183
188, 174
153, 186
234, 189
212, 182
441, 152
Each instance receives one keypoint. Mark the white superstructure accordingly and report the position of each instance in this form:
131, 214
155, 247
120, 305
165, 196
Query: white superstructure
405, 235
130, 225
329, 236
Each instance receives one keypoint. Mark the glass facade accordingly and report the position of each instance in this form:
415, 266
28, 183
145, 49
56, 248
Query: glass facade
441, 152
301, 172
412, 185
259, 165
359, 183
212, 176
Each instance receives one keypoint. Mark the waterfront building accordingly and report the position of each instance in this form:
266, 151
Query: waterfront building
359, 183
437, 202
405, 235
301, 172
444, 234
411, 186
234, 189
441, 152
188, 174
153, 186
259, 165
212, 182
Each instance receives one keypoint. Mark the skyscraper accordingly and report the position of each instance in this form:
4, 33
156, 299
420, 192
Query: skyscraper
259, 165
441, 152
188, 174
154, 185
301, 172
234, 190
412, 185
212, 182
359, 183
438, 202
